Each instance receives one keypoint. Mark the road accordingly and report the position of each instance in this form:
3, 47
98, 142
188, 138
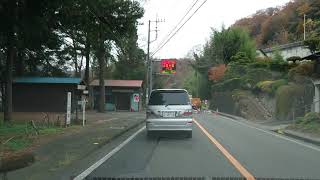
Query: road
262, 154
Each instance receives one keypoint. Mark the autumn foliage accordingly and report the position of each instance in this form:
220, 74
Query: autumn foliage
281, 25
217, 72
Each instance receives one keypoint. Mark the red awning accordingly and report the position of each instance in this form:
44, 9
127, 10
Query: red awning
118, 83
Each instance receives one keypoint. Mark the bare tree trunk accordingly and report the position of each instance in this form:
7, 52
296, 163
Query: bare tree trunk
87, 54
74, 54
19, 63
8, 91
2, 95
11, 55
101, 61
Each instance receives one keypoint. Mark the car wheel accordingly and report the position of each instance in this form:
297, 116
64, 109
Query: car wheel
189, 134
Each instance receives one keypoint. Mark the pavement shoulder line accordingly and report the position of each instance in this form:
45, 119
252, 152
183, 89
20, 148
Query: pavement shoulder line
232, 159
106, 157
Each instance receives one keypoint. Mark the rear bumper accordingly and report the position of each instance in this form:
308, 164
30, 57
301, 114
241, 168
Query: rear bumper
169, 125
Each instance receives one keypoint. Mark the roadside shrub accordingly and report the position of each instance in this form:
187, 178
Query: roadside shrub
270, 87
301, 71
230, 84
276, 84
292, 65
258, 74
265, 86
285, 99
294, 58
299, 120
277, 65
235, 70
311, 117
259, 64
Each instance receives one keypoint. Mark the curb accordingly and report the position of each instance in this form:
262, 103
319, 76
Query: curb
226, 115
300, 137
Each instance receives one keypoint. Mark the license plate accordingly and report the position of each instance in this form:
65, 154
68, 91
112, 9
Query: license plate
168, 114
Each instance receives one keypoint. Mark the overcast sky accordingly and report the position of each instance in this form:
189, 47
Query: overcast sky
213, 14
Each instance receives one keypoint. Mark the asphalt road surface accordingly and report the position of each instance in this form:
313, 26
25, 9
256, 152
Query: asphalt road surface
227, 148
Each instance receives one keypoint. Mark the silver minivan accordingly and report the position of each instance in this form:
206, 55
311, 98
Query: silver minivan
169, 110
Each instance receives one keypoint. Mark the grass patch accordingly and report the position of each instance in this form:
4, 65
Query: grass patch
50, 130
18, 143
310, 123
312, 127
22, 135
13, 129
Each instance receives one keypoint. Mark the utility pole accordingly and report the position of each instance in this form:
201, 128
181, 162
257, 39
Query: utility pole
304, 26
148, 64
149, 61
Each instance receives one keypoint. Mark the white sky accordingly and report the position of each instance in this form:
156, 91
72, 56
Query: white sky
213, 14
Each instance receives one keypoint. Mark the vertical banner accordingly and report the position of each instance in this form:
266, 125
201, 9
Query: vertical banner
68, 118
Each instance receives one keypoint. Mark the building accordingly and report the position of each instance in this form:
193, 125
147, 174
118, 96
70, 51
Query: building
121, 95
44, 94
297, 49
316, 80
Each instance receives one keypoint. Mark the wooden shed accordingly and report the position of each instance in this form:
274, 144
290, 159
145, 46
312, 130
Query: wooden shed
121, 95
44, 94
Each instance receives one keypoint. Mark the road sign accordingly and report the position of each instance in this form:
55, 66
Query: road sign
81, 87
136, 98
168, 66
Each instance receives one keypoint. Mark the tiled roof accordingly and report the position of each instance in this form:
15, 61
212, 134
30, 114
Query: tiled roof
48, 80
118, 83
284, 46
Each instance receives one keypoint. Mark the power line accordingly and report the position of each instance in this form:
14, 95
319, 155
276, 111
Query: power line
187, 12
179, 28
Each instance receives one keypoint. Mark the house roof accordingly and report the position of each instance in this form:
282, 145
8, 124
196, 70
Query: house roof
47, 80
315, 56
118, 83
283, 46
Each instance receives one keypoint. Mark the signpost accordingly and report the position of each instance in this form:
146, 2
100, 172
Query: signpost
68, 118
83, 111
168, 66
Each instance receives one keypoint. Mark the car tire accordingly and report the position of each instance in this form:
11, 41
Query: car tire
189, 134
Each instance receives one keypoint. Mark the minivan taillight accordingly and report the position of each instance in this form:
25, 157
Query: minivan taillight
188, 113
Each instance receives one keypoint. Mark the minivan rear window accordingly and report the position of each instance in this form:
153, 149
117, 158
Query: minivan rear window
169, 98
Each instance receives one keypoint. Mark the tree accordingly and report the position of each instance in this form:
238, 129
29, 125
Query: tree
22, 20
131, 59
114, 20
216, 73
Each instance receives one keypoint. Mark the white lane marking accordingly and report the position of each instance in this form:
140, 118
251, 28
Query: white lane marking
106, 157
274, 134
